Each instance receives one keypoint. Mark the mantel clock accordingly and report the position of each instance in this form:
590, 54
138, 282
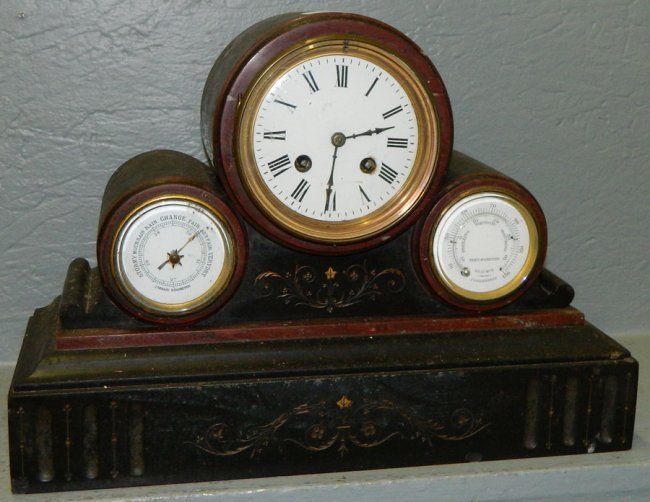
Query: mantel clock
336, 289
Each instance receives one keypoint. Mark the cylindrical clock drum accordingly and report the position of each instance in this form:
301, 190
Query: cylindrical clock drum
330, 131
484, 242
169, 250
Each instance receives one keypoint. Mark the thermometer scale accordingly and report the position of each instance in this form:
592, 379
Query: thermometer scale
485, 245
484, 242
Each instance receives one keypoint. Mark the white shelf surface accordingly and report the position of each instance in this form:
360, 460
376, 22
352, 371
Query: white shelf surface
599, 476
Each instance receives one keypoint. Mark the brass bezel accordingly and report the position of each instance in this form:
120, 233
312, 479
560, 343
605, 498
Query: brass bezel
517, 280
384, 217
184, 308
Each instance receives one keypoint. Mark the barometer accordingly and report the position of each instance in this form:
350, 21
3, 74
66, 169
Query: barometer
169, 250
330, 131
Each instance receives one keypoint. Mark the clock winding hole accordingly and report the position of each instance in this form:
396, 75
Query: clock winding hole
368, 165
303, 163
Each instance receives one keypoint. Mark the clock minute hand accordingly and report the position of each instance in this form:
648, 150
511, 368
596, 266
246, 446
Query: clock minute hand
330, 181
370, 132
338, 140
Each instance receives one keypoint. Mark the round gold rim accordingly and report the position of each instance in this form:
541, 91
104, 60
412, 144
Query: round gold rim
174, 309
518, 279
384, 217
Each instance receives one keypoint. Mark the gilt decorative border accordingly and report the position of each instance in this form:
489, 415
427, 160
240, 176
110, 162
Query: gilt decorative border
342, 427
330, 289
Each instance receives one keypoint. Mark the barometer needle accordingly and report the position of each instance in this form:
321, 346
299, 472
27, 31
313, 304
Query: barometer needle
189, 240
175, 253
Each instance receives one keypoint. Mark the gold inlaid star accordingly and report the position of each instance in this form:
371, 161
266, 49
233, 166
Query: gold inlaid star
344, 402
330, 274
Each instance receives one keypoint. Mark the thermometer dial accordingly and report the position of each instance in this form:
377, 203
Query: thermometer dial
173, 255
484, 246
484, 242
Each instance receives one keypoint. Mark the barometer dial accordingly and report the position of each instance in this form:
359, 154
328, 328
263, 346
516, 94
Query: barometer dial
169, 250
173, 255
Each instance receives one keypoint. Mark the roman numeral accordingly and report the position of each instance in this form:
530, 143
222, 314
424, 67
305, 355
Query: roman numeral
364, 194
341, 75
388, 174
281, 135
311, 81
300, 191
279, 165
392, 112
372, 86
285, 103
397, 143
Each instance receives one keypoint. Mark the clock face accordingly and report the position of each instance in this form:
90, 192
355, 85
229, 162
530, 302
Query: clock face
338, 141
335, 138
331, 132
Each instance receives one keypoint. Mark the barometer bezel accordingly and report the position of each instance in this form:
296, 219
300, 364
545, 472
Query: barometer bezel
154, 176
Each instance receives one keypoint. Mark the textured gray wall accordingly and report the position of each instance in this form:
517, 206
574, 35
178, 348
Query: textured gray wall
556, 94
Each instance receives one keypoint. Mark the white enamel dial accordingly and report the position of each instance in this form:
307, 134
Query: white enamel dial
484, 246
172, 255
335, 138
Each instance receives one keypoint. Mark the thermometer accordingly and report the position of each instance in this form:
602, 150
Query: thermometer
484, 242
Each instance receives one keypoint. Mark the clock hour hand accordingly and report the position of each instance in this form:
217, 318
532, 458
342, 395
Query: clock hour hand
370, 132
